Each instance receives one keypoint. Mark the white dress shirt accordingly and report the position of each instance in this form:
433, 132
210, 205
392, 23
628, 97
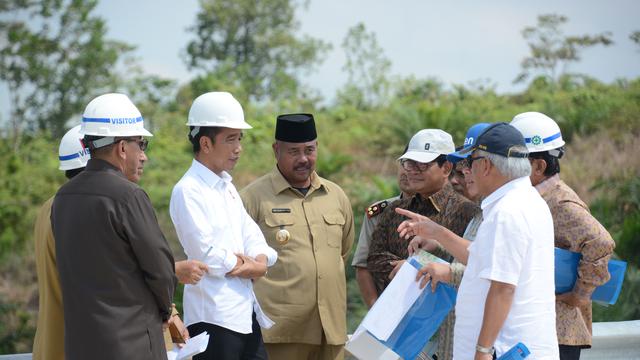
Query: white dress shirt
213, 225
514, 245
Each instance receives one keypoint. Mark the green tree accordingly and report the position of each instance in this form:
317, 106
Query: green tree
551, 50
635, 37
253, 45
367, 68
53, 57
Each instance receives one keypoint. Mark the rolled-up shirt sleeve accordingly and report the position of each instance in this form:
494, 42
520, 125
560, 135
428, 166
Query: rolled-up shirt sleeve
197, 234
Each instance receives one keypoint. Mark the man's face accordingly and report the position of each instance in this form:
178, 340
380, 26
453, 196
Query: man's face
474, 167
457, 179
403, 181
470, 187
296, 161
426, 178
135, 158
224, 153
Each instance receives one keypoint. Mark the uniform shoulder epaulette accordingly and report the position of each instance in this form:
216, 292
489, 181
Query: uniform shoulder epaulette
377, 208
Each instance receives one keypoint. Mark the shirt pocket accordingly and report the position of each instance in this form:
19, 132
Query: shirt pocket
275, 223
334, 225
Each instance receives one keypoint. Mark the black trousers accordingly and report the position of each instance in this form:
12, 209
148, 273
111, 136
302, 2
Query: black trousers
569, 352
225, 344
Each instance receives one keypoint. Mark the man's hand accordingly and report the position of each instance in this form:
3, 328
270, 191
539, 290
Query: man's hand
190, 271
397, 264
250, 268
417, 225
418, 243
571, 299
436, 272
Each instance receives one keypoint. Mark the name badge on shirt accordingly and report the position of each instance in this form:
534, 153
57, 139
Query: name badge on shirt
281, 211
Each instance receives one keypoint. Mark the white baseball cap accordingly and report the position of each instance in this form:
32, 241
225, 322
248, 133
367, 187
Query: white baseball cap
427, 144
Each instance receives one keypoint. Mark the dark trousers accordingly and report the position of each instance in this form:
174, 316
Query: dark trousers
569, 352
225, 344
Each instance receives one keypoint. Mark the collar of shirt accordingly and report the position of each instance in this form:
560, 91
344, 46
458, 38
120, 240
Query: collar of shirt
209, 177
439, 199
504, 189
548, 184
281, 184
103, 165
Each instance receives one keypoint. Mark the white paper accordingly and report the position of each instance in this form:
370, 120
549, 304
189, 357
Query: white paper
365, 347
193, 346
393, 303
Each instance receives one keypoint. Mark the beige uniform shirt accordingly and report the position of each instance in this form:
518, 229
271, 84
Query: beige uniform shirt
49, 339
305, 291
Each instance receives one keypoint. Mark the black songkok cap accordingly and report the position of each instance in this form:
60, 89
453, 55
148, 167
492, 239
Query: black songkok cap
296, 128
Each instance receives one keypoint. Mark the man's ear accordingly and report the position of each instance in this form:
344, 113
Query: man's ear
538, 167
447, 167
120, 149
275, 148
205, 144
486, 166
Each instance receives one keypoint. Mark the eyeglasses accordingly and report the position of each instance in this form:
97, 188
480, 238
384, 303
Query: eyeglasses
411, 165
142, 143
470, 159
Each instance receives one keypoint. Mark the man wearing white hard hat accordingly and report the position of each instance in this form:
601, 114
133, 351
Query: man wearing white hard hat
49, 339
575, 229
213, 227
115, 266
428, 171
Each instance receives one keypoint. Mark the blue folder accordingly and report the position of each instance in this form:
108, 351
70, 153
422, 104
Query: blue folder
422, 320
566, 274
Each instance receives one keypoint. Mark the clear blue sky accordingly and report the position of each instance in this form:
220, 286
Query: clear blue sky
456, 41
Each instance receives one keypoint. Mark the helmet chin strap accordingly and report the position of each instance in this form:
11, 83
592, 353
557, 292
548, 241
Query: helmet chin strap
107, 140
556, 152
195, 131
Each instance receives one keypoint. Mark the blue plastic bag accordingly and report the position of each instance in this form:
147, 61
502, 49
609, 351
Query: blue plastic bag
566, 274
519, 351
422, 320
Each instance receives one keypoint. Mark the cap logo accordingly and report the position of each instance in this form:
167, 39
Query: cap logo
536, 140
426, 146
468, 141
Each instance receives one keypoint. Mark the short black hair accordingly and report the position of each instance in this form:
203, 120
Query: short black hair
207, 131
440, 160
553, 162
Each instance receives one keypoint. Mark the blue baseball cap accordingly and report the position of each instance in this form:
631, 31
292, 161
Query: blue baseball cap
469, 140
501, 139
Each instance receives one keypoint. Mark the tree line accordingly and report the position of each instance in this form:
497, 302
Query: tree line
55, 56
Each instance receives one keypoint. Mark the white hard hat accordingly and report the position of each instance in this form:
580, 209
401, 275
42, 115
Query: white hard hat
112, 115
540, 132
72, 152
216, 109
427, 144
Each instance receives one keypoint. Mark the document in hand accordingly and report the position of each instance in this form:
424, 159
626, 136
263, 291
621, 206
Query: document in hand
193, 346
566, 274
405, 317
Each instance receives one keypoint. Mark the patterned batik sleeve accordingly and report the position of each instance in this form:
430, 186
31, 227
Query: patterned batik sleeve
578, 227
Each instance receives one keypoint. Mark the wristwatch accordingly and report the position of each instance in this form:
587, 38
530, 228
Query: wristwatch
485, 350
